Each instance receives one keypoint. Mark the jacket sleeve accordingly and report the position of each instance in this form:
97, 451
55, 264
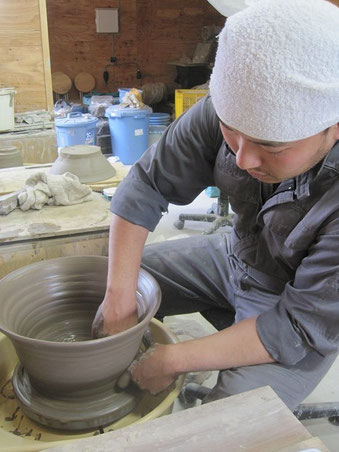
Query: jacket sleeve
307, 315
173, 170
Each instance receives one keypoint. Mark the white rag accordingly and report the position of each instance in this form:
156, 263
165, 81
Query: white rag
59, 190
276, 74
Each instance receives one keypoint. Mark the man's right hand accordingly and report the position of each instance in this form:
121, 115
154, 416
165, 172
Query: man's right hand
108, 321
118, 311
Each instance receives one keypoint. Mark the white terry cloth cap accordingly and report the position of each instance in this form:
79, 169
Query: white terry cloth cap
276, 74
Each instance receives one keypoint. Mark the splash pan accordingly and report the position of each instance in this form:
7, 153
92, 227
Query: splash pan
91, 409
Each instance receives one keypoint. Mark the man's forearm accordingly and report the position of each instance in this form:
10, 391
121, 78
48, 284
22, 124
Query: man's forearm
126, 244
238, 345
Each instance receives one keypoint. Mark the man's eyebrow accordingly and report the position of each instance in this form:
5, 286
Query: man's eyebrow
270, 144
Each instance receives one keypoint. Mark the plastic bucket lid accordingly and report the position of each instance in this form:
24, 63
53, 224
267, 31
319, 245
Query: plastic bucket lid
76, 120
117, 112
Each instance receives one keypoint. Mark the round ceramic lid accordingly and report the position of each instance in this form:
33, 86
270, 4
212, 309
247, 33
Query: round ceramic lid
79, 150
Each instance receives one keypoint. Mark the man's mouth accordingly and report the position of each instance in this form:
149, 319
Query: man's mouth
256, 174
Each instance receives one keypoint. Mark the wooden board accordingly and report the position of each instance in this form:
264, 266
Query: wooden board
54, 221
24, 53
256, 421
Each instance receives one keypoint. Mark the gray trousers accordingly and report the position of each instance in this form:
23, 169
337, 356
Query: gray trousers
197, 275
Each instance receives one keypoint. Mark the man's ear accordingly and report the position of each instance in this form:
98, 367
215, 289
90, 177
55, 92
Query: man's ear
336, 131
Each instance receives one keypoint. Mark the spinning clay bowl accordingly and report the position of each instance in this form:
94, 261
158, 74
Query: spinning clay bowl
46, 310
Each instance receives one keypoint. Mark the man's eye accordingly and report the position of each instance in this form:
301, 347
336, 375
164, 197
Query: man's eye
276, 152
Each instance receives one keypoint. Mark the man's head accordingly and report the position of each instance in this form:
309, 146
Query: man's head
276, 75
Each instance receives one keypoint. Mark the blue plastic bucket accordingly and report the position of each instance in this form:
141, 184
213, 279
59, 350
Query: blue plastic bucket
160, 119
129, 132
154, 133
123, 91
76, 128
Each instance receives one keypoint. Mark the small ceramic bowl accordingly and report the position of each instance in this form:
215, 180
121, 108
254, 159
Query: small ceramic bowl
10, 156
85, 161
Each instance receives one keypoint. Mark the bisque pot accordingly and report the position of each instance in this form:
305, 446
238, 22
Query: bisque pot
56, 299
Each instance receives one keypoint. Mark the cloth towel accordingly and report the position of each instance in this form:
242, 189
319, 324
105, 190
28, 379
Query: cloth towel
59, 190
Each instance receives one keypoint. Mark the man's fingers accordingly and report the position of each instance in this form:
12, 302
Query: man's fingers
98, 325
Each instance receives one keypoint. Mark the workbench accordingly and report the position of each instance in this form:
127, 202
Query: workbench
256, 421
53, 231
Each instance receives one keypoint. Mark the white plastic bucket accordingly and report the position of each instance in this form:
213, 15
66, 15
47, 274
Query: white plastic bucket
7, 108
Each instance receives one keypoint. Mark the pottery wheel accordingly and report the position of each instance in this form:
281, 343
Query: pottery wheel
90, 410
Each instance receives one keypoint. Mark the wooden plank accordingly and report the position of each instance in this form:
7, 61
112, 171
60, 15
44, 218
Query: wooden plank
22, 54
255, 421
46, 55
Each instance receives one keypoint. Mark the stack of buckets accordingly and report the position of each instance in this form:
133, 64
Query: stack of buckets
158, 123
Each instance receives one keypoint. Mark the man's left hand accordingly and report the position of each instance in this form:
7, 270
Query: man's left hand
151, 370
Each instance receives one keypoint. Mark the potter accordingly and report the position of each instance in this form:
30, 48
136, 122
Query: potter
267, 136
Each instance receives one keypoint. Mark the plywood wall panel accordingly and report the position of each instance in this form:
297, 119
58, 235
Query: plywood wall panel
24, 53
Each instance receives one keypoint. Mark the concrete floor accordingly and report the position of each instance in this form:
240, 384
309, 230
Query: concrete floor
193, 325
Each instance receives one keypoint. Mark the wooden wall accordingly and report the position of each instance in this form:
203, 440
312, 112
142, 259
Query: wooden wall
24, 53
152, 33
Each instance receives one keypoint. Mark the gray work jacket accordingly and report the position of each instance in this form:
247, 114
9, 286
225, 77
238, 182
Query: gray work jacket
285, 242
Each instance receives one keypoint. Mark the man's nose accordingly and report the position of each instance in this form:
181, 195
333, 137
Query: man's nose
247, 156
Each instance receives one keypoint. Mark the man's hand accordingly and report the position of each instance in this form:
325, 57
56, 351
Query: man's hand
152, 370
108, 320
238, 345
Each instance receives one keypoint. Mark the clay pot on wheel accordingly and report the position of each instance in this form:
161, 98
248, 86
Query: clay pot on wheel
46, 310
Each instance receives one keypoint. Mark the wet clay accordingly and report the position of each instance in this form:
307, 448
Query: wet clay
46, 310
96, 407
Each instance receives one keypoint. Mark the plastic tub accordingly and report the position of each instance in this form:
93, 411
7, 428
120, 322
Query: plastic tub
7, 108
129, 132
154, 133
76, 128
